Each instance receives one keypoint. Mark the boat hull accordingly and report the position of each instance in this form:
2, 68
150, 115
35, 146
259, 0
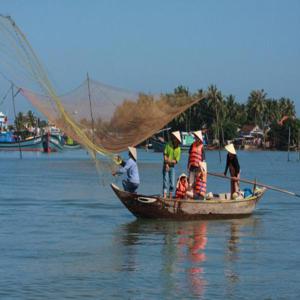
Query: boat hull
55, 143
155, 207
35, 144
72, 147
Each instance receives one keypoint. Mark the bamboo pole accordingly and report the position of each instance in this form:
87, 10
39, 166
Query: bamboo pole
91, 113
218, 133
274, 188
13, 95
289, 141
298, 144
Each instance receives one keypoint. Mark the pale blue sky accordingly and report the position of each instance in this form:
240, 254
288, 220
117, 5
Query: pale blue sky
154, 46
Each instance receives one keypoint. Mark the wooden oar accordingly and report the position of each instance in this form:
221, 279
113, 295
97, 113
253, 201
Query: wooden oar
274, 188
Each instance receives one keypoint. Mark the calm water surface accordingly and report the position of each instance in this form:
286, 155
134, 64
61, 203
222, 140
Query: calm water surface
64, 235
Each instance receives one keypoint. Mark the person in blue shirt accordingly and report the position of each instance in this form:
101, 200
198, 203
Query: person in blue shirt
132, 182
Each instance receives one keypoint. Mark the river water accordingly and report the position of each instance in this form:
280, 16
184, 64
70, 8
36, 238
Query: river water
64, 235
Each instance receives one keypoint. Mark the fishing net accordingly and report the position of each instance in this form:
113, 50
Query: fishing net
107, 119
101, 118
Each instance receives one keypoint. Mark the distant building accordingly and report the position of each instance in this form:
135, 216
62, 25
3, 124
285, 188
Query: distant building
3, 122
250, 136
251, 131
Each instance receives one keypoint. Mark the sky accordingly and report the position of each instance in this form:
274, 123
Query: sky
154, 46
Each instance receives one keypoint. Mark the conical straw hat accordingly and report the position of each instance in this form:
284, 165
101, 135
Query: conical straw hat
199, 135
133, 152
182, 175
230, 149
177, 135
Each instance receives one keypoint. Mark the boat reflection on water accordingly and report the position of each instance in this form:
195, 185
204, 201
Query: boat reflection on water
240, 231
185, 256
192, 241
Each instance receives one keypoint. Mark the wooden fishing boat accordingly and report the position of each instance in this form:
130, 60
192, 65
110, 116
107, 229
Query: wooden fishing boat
31, 144
43, 143
73, 146
55, 143
220, 206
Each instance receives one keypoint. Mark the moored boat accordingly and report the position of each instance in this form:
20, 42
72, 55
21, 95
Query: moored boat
219, 206
158, 144
39, 143
72, 147
31, 144
56, 143
70, 144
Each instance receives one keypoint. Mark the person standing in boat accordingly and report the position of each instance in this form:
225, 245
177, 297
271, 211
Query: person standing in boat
130, 167
172, 153
196, 163
233, 165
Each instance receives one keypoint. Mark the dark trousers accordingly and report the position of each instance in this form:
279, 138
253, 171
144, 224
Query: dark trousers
129, 186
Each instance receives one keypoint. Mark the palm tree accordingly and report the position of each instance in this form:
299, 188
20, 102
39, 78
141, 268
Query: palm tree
287, 107
256, 106
241, 114
20, 121
231, 107
31, 118
217, 104
271, 111
183, 120
200, 115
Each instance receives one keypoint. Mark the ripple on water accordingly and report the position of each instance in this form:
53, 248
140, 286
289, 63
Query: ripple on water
63, 235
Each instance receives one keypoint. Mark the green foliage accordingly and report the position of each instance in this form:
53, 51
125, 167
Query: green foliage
230, 130
24, 121
20, 121
222, 115
279, 134
256, 106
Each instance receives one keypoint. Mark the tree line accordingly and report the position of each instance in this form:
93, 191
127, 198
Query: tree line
23, 121
222, 116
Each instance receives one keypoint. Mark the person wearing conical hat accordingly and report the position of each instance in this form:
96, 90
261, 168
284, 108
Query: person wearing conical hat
233, 165
172, 153
181, 187
197, 166
131, 183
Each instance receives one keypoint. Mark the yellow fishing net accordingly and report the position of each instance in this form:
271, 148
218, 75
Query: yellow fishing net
103, 119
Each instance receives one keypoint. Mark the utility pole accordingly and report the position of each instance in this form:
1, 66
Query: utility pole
91, 111
218, 133
298, 144
13, 95
289, 141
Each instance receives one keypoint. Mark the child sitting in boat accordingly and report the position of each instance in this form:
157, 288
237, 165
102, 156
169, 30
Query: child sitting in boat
200, 182
183, 190
182, 187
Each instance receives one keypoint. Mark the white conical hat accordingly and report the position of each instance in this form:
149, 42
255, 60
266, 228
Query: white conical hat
230, 149
177, 135
198, 134
183, 175
133, 152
